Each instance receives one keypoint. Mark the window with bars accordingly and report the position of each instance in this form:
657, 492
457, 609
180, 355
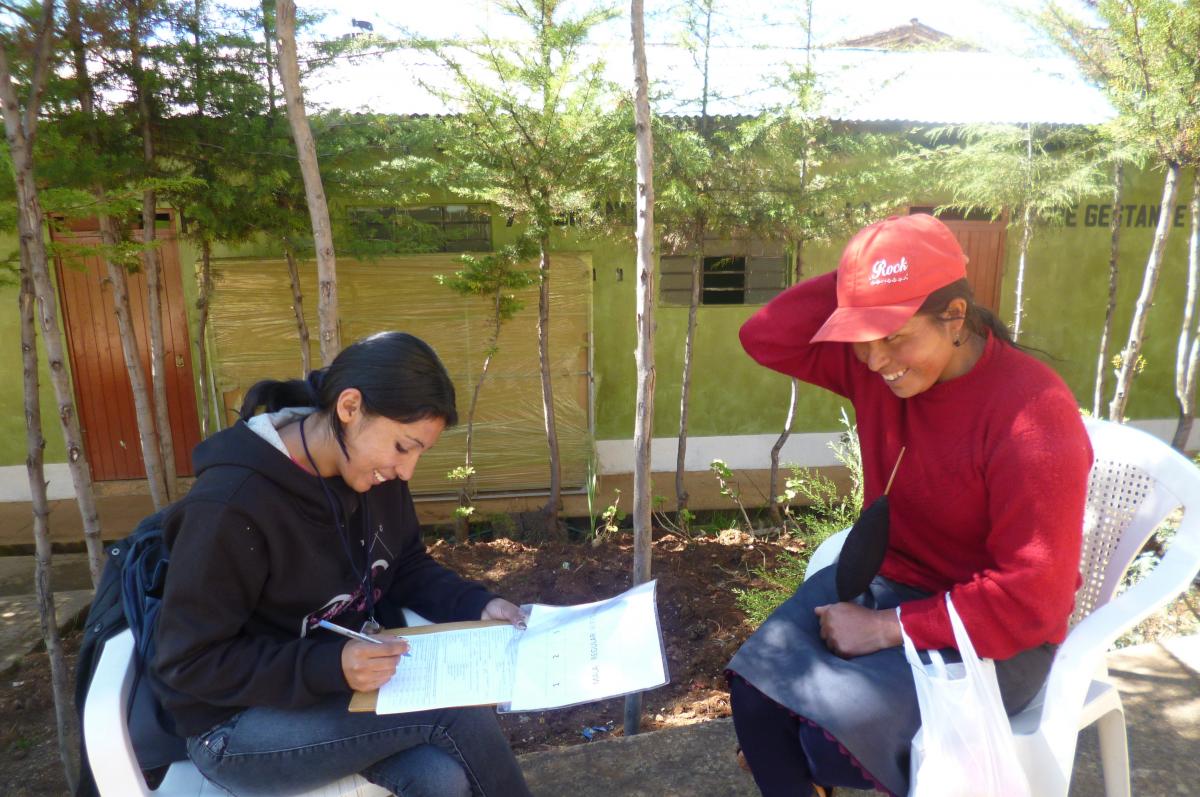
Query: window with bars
724, 279
429, 228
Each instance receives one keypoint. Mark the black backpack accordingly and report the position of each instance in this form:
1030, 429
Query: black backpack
129, 596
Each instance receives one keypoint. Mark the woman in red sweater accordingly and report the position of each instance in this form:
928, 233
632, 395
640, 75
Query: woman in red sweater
987, 505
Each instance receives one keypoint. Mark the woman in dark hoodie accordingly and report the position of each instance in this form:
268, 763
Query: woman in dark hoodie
302, 514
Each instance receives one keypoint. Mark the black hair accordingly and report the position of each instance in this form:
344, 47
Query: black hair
977, 318
399, 376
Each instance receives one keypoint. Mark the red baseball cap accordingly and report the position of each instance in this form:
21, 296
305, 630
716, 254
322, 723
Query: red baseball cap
885, 274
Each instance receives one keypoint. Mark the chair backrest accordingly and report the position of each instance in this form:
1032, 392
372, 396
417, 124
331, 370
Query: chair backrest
105, 732
1136, 483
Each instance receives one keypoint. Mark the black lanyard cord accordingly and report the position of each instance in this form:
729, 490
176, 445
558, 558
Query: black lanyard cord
366, 579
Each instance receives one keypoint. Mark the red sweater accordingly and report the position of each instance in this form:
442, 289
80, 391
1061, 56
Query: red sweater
988, 501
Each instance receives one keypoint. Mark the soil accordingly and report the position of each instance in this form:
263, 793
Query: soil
701, 624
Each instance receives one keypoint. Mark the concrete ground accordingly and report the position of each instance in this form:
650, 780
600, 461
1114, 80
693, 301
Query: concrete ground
1159, 684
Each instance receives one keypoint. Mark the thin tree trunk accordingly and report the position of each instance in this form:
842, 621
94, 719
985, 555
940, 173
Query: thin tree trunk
790, 418
1102, 360
268, 10
152, 455
643, 422
314, 190
20, 132
776, 515
298, 309
203, 297
685, 388
550, 510
466, 493
60, 677
148, 442
154, 335
1137, 327
1189, 335
1026, 234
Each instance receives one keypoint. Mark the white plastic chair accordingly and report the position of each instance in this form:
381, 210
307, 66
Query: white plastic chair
110, 750
1136, 482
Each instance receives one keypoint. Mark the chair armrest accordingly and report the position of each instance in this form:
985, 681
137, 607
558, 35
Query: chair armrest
106, 736
827, 553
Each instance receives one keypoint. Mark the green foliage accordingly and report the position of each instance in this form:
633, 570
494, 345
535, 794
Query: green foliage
610, 519
675, 522
536, 133
1144, 57
461, 473
729, 488
786, 174
1041, 169
828, 512
494, 276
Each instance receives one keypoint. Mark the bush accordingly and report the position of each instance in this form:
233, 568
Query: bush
828, 511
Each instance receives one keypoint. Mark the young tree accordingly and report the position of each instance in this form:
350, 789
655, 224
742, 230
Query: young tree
692, 175
1110, 307
533, 138
493, 277
20, 127
60, 676
141, 19
1144, 58
643, 421
1035, 173
1187, 357
92, 160
814, 198
289, 75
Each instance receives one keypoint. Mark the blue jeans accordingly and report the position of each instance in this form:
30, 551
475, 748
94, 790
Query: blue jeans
442, 753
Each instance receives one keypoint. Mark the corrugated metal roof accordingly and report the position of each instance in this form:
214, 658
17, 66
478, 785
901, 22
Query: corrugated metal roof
957, 88
859, 85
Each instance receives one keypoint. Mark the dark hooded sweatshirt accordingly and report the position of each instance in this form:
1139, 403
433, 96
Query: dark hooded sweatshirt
256, 561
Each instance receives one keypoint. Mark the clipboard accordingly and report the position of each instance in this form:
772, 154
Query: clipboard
365, 701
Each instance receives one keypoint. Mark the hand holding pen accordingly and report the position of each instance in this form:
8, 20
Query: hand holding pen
368, 661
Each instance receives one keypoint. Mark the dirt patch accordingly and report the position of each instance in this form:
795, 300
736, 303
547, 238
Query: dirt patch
701, 625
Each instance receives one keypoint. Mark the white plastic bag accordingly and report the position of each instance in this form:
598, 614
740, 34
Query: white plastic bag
968, 748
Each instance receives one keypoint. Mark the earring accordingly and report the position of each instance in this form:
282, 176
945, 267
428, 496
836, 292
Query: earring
957, 342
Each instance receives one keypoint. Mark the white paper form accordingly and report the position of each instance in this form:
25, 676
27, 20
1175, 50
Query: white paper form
575, 654
468, 667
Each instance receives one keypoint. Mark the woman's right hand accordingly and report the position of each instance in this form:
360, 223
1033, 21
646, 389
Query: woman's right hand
367, 666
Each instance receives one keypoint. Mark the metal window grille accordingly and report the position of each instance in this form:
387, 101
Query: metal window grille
728, 280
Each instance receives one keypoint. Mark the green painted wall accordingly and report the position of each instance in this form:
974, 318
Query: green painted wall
12, 395
730, 393
1066, 287
1065, 290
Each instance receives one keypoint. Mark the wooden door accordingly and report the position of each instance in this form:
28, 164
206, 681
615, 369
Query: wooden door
983, 242
103, 396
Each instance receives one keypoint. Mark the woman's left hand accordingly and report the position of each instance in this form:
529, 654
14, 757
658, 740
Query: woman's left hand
851, 630
500, 609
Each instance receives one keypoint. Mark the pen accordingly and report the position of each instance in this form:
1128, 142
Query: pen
346, 632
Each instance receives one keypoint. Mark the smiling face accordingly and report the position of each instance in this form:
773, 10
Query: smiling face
381, 449
921, 353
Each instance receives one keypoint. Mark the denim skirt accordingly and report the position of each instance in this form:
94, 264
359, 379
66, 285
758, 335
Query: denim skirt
867, 703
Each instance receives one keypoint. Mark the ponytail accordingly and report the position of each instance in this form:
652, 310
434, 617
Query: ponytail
978, 318
399, 376
274, 395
